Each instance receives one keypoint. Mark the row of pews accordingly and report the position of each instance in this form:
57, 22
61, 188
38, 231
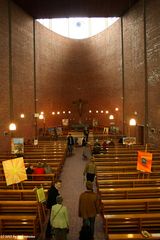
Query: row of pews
22, 216
130, 199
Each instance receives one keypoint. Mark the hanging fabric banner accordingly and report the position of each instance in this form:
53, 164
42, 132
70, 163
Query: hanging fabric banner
14, 170
144, 161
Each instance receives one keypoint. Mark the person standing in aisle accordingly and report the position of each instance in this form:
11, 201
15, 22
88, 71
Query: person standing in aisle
70, 144
53, 192
59, 220
88, 209
90, 170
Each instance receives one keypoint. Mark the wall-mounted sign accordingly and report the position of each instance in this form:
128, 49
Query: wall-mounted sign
35, 143
129, 140
95, 122
17, 145
65, 122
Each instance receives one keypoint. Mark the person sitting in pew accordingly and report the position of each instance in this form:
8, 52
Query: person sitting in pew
96, 147
104, 146
47, 168
111, 144
39, 169
29, 170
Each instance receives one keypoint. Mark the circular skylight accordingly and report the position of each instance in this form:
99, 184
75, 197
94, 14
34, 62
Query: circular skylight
77, 28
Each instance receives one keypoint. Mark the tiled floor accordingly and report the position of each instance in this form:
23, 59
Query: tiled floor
72, 186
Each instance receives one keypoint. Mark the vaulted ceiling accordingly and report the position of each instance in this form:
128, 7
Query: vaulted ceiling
75, 8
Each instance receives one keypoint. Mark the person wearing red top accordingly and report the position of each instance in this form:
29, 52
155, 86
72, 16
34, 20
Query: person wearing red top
39, 170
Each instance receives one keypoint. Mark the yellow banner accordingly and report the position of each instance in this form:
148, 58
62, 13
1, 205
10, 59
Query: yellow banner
14, 170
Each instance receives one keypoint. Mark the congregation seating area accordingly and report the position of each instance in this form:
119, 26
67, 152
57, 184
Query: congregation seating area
20, 211
130, 199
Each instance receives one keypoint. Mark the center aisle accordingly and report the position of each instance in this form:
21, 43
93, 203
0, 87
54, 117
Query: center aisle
72, 187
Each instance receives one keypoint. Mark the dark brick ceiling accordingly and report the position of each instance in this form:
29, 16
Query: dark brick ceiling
75, 8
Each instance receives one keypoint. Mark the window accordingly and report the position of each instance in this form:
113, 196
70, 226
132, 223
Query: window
77, 28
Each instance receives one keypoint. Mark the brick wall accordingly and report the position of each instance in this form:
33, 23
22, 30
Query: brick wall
4, 75
16, 75
153, 68
23, 72
141, 78
69, 70
134, 66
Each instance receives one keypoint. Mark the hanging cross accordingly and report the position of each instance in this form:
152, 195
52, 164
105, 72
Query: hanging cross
79, 103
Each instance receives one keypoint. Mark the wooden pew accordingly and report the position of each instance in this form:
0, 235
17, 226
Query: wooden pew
18, 224
17, 195
127, 175
123, 168
130, 150
122, 155
119, 206
56, 168
131, 223
36, 177
19, 209
121, 162
128, 183
119, 157
26, 185
129, 193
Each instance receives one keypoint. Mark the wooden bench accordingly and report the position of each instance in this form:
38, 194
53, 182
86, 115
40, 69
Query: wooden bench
18, 224
23, 208
123, 189
36, 177
16, 195
127, 175
120, 206
119, 157
129, 193
55, 166
26, 185
123, 168
128, 183
122, 162
131, 223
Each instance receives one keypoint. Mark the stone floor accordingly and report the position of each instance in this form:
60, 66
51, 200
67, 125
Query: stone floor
72, 185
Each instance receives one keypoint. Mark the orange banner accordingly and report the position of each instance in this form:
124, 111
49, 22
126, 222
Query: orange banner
144, 161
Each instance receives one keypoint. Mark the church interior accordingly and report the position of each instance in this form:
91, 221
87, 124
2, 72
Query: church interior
53, 86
